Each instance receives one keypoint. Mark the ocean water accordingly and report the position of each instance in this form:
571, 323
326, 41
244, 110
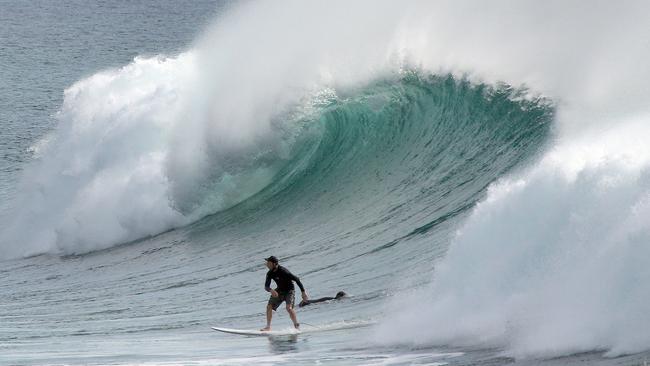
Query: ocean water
475, 177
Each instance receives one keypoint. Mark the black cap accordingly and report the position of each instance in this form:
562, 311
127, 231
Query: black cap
271, 259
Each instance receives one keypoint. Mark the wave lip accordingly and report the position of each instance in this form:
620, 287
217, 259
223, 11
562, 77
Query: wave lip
99, 178
130, 158
124, 164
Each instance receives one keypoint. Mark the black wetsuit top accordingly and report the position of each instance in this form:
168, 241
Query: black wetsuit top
283, 278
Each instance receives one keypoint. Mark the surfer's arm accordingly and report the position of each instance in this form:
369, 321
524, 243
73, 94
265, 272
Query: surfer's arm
297, 280
267, 285
302, 288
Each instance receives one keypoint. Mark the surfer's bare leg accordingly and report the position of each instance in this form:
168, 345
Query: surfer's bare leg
292, 315
269, 316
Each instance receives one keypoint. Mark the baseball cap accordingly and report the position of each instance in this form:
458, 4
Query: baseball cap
271, 259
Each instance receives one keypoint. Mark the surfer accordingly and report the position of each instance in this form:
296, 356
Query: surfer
283, 293
338, 296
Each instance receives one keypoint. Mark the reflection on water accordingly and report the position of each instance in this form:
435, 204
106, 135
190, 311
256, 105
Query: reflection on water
284, 343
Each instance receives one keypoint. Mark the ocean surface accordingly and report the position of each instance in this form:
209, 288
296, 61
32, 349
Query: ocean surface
476, 178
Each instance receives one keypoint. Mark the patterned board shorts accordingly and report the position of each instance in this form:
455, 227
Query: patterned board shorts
289, 297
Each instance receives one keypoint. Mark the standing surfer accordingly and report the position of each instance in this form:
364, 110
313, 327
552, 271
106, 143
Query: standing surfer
284, 291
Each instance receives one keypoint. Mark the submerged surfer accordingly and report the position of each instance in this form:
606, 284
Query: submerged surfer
338, 296
284, 291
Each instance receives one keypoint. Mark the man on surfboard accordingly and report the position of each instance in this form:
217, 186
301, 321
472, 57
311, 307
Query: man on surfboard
284, 292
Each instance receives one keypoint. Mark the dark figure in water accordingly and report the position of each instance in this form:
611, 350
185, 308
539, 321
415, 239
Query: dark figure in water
338, 296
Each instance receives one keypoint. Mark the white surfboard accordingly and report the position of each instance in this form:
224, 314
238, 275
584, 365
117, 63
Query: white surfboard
255, 332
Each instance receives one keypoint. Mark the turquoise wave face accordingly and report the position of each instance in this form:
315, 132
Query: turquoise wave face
418, 149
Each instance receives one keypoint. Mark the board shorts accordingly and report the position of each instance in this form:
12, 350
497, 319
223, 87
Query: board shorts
289, 297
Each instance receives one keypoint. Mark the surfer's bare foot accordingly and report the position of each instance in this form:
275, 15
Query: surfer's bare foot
297, 326
265, 329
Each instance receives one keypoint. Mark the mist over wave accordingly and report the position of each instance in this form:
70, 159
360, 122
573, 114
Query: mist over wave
276, 96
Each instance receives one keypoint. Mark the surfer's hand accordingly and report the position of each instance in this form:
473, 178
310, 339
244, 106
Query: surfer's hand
274, 293
304, 296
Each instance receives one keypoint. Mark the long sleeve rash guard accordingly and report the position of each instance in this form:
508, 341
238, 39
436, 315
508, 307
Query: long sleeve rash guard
283, 278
